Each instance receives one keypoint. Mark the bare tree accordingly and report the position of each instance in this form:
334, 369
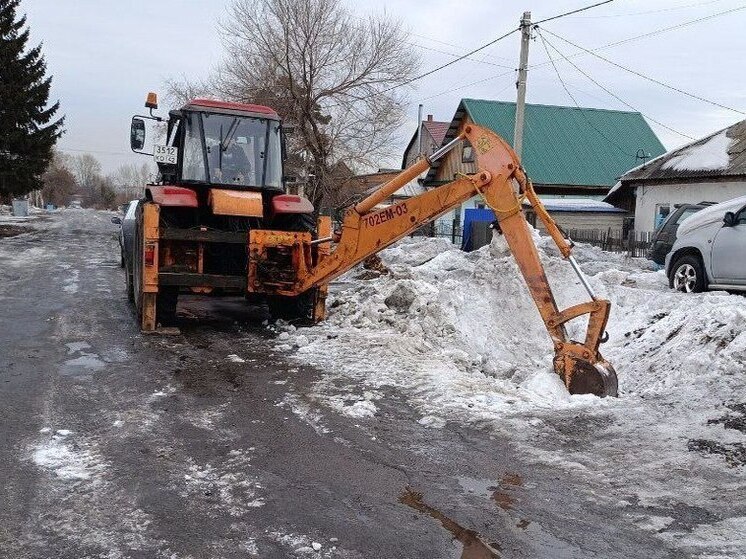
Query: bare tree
333, 77
181, 90
129, 180
86, 169
59, 182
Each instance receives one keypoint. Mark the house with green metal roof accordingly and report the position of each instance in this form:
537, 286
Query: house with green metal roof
567, 152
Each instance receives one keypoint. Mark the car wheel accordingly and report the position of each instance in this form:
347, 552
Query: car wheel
688, 275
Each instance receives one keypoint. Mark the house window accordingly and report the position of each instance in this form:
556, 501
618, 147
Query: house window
661, 213
467, 156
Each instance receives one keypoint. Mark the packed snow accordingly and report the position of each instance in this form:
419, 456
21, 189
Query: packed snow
710, 155
68, 459
459, 335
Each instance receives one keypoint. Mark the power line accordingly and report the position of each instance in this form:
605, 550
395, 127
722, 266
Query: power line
572, 12
94, 151
481, 61
453, 45
648, 12
451, 90
582, 111
644, 35
430, 72
641, 75
605, 47
671, 28
546, 42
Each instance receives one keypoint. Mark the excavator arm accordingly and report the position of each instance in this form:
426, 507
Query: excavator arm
502, 183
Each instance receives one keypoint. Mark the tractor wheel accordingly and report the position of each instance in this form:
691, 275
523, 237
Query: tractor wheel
303, 223
297, 309
300, 308
165, 305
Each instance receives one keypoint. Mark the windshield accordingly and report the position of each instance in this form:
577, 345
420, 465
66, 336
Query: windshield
239, 150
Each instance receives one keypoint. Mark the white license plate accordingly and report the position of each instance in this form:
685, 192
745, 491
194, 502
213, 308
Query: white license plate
166, 154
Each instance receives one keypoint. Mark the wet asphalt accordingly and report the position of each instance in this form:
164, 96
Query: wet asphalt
115, 444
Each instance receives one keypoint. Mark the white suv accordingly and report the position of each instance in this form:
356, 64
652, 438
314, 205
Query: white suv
710, 250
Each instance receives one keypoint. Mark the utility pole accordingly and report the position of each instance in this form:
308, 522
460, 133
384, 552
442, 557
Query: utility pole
419, 131
520, 105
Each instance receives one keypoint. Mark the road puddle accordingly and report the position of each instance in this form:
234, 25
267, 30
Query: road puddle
86, 363
83, 365
501, 494
474, 546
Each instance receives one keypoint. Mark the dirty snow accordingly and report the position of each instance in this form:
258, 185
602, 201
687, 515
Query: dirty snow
707, 156
226, 485
66, 458
459, 336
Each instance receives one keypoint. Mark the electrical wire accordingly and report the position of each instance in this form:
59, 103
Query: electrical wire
546, 42
572, 12
648, 12
614, 44
481, 61
429, 72
582, 110
451, 90
638, 37
648, 78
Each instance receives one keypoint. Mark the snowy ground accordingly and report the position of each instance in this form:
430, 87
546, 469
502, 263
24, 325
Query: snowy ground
458, 334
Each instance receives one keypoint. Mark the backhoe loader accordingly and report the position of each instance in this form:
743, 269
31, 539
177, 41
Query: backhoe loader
220, 222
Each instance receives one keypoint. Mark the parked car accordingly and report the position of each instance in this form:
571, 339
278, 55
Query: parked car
126, 232
665, 235
709, 250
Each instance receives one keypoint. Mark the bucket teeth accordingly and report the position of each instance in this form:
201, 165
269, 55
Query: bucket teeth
584, 376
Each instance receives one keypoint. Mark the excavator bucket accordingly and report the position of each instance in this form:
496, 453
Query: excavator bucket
583, 375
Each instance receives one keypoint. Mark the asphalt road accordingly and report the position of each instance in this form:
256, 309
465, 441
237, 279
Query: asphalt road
116, 444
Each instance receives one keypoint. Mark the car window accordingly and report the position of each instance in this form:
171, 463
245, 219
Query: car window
686, 213
741, 217
131, 210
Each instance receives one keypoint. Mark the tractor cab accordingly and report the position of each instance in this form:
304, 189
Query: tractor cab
215, 143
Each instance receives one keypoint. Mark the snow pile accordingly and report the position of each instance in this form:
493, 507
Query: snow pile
460, 330
461, 335
710, 155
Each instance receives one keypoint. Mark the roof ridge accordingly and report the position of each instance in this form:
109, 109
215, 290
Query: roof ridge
553, 106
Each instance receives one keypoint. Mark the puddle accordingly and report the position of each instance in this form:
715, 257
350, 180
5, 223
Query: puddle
501, 494
86, 363
75, 347
474, 546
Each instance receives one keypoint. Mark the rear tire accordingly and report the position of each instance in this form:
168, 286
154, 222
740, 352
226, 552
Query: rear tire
300, 308
293, 309
165, 305
688, 275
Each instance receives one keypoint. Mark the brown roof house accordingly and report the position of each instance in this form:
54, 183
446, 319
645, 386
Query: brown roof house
711, 169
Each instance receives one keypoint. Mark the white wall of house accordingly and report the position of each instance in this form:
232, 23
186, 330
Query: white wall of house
651, 200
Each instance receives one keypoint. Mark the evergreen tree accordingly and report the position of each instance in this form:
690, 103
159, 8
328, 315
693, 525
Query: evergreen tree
27, 129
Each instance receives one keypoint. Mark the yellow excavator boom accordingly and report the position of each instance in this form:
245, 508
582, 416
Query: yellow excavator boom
503, 184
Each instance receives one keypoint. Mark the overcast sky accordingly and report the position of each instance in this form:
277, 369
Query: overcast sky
105, 55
